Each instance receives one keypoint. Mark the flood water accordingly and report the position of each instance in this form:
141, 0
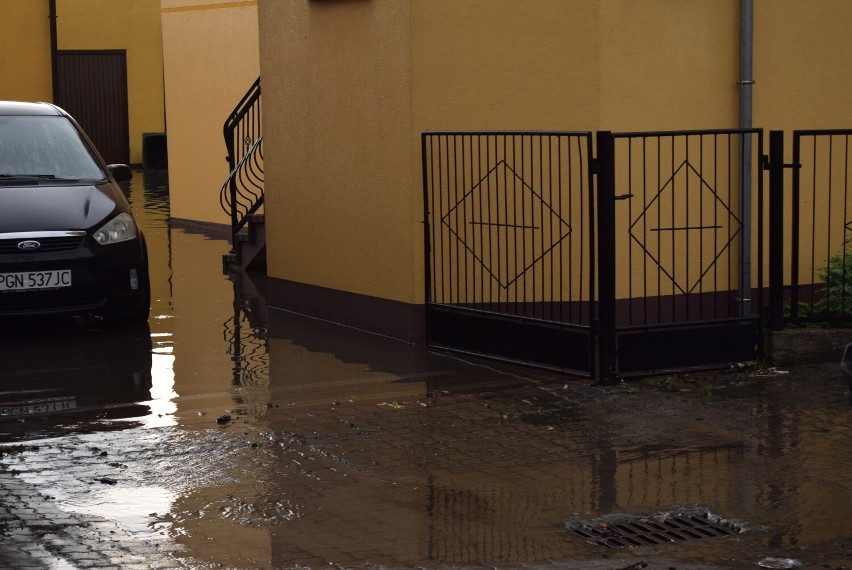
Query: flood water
233, 434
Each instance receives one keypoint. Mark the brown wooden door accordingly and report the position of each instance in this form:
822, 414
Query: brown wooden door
92, 87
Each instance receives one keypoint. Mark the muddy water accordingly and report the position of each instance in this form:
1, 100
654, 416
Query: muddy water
250, 437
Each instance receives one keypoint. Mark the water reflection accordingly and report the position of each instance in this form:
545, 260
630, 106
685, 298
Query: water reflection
191, 326
357, 449
247, 331
71, 371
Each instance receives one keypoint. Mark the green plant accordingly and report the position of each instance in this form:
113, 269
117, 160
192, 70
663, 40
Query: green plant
832, 294
624, 388
837, 276
667, 384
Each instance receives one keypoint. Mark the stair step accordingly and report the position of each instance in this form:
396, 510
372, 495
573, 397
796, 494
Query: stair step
249, 246
229, 260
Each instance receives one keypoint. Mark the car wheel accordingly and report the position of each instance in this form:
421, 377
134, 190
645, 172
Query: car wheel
140, 314
130, 317
135, 315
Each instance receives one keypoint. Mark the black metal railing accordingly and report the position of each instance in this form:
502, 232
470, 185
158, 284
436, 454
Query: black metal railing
246, 333
539, 252
247, 349
680, 255
510, 233
820, 217
510, 224
241, 195
683, 228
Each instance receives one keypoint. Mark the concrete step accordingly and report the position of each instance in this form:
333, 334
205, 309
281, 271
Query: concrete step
249, 246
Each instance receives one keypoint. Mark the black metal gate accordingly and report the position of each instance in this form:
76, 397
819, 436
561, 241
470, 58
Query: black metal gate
820, 216
680, 258
658, 270
510, 246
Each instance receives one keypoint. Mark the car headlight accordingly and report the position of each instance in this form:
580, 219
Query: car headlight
120, 228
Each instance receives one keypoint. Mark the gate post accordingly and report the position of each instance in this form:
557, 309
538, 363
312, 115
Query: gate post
606, 257
776, 230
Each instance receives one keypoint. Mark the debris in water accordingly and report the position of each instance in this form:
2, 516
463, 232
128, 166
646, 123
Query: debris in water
780, 563
223, 419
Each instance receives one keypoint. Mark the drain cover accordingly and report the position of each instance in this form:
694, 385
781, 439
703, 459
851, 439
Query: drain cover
624, 531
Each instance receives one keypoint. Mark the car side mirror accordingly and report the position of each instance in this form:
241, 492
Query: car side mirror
120, 172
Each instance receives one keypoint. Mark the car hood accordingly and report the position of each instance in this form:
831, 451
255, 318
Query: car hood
53, 208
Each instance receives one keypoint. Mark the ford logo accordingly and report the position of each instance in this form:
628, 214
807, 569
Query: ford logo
29, 244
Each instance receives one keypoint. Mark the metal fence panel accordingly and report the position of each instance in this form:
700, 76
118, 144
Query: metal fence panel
685, 257
510, 243
820, 261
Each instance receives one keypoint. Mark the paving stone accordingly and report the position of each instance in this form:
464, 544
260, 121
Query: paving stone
467, 460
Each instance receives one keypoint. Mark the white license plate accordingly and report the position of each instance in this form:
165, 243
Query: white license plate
33, 280
41, 406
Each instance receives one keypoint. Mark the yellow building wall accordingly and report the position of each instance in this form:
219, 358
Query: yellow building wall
338, 112
25, 52
802, 64
211, 58
803, 80
667, 64
350, 86
483, 64
131, 25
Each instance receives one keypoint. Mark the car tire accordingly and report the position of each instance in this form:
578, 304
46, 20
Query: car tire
130, 317
140, 314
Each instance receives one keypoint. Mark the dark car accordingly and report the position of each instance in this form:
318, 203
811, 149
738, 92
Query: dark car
68, 241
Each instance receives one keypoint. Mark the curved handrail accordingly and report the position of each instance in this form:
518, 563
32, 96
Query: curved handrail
241, 194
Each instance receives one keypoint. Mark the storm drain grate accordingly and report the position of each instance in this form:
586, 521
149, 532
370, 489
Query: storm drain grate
630, 531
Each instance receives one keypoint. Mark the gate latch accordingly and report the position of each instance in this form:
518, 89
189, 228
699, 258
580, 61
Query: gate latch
767, 165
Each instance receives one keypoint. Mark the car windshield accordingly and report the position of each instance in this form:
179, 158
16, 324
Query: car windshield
46, 147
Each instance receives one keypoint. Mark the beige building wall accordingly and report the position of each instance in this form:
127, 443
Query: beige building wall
350, 86
803, 80
802, 64
25, 52
344, 177
667, 64
210, 50
131, 25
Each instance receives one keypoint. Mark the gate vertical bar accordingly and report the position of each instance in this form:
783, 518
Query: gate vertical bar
745, 285
794, 230
594, 297
606, 257
427, 243
776, 230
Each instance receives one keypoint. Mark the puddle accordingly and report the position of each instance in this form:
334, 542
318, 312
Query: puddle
352, 449
143, 511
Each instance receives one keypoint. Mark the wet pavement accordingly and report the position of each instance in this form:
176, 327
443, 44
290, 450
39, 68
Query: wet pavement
229, 434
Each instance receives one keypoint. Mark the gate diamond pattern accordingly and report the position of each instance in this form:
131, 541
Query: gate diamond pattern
667, 233
505, 224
